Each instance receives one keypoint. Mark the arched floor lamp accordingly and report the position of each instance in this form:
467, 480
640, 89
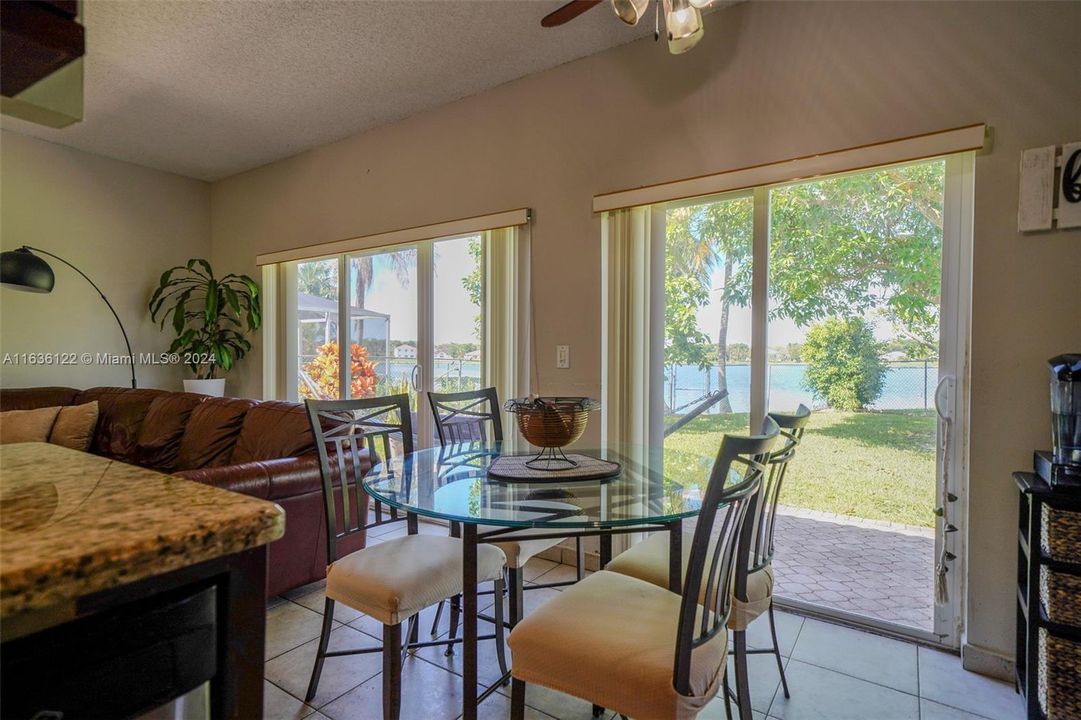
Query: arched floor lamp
23, 270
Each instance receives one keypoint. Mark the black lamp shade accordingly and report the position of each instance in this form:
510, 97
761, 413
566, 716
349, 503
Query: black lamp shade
23, 270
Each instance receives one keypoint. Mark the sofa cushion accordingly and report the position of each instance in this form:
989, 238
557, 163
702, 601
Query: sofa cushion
158, 443
18, 426
74, 426
274, 429
120, 414
211, 432
31, 398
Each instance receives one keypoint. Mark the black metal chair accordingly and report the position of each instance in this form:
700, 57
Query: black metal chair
463, 418
392, 581
631, 646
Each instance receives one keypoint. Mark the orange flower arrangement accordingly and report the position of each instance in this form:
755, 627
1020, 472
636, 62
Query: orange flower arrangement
323, 371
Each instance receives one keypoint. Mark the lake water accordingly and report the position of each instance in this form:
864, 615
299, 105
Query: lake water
907, 386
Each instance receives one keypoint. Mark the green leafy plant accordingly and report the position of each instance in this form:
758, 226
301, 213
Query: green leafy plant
843, 365
209, 315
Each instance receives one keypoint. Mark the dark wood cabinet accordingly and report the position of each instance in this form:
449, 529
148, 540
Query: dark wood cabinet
1036, 498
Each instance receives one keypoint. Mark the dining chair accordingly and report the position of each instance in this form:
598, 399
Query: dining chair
631, 646
394, 580
462, 418
648, 560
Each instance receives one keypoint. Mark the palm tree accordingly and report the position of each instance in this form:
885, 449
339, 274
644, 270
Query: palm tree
703, 238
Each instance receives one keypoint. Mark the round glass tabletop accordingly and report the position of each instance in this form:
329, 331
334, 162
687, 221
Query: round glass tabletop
452, 483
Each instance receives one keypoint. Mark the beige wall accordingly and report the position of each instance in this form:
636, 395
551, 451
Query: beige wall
119, 223
770, 81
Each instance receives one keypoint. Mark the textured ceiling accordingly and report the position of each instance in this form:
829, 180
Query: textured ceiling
208, 89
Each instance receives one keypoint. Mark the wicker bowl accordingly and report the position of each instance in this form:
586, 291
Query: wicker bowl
552, 422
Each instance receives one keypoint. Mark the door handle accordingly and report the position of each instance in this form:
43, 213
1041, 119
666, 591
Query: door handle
414, 378
945, 383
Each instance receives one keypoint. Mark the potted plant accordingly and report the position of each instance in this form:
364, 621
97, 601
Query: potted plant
210, 317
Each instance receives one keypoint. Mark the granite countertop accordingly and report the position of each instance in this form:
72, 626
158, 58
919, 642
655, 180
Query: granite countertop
72, 523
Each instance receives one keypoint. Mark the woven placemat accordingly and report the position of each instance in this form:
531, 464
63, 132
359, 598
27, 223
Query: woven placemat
513, 467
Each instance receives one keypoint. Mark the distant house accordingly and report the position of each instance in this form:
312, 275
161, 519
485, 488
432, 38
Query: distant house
895, 356
473, 355
440, 355
405, 351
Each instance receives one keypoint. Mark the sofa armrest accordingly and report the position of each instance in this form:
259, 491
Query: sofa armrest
269, 479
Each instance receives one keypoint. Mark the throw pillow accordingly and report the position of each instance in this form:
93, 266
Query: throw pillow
17, 426
74, 427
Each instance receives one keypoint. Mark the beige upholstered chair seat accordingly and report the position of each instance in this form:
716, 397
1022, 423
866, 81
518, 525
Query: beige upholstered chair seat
611, 639
396, 579
518, 552
648, 560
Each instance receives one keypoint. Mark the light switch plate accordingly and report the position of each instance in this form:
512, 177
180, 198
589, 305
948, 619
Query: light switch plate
563, 356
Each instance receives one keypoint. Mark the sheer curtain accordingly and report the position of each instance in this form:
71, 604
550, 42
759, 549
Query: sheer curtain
506, 315
626, 252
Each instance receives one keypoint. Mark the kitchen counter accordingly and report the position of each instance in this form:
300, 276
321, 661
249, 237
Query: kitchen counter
73, 524
123, 588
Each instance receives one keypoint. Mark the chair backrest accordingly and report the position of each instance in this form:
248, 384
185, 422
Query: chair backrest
764, 512
713, 564
460, 417
342, 428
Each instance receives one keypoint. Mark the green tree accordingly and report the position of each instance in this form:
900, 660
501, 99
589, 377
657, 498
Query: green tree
843, 365
474, 285
739, 353
702, 240
685, 344
839, 247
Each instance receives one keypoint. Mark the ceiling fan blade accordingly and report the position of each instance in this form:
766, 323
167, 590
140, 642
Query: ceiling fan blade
568, 12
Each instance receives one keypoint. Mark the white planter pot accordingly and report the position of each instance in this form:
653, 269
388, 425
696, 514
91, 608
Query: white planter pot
215, 387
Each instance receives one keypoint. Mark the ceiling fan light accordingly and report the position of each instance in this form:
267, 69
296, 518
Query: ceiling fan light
701, 4
630, 11
684, 23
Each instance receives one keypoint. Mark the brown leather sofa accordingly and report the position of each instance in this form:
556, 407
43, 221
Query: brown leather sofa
264, 449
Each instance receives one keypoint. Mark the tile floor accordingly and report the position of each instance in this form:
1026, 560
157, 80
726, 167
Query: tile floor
835, 673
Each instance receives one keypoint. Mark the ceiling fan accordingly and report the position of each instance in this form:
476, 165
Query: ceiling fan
682, 18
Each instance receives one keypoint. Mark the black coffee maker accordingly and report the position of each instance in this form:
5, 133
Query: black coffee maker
1062, 466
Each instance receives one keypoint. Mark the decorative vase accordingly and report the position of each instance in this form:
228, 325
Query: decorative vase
214, 387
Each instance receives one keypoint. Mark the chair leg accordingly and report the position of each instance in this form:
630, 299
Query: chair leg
455, 613
514, 591
410, 636
517, 699
321, 652
392, 672
438, 614
500, 629
743, 686
579, 558
727, 695
777, 650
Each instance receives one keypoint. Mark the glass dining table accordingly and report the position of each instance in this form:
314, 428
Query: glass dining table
452, 484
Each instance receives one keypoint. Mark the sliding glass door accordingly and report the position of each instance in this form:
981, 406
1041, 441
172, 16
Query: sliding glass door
408, 318
846, 294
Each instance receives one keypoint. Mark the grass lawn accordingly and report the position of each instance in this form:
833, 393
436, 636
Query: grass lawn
876, 465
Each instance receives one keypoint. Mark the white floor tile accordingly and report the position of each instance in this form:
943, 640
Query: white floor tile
788, 629
763, 678
289, 625
943, 680
879, 659
292, 670
820, 694
280, 705
428, 693
930, 710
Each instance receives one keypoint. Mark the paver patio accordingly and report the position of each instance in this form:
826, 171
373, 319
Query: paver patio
877, 569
